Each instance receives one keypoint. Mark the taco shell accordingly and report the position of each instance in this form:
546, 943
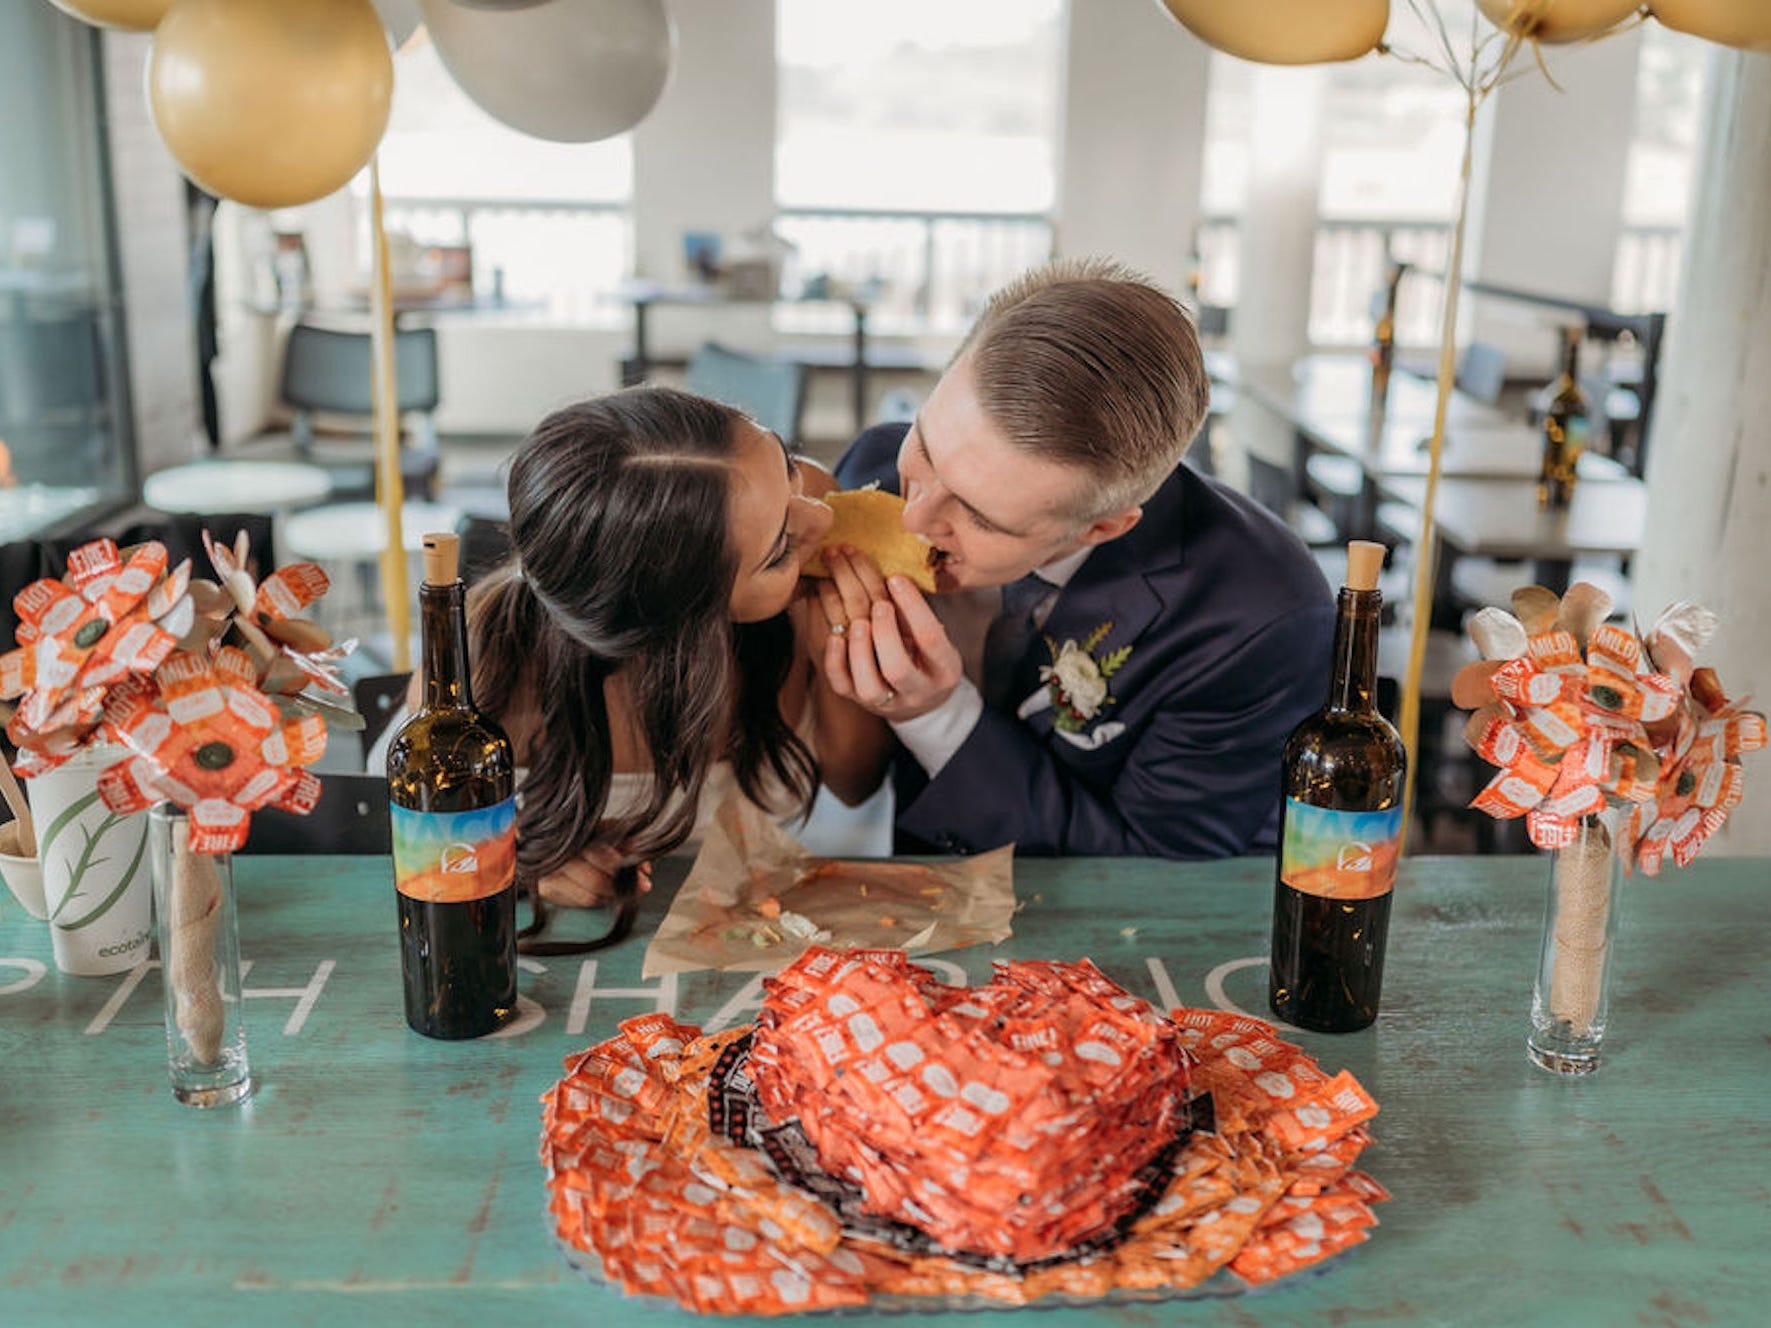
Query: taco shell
873, 521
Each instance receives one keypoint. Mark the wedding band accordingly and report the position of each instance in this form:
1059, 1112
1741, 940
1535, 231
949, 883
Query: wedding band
839, 629
888, 698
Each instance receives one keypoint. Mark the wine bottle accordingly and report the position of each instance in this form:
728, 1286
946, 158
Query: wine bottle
1566, 427
1383, 341
1340, 830
452, 782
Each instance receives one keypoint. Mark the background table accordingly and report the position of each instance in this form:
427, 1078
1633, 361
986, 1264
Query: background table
1501, 519
858, 357
265, 487
376, 1176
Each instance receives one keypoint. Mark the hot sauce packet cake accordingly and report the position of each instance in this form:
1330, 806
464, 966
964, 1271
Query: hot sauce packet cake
880, 1136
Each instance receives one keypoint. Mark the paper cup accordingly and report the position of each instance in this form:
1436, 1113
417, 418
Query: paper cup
97, 879
23, 876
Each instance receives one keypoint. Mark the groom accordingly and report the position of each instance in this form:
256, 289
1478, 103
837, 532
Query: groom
1126, 643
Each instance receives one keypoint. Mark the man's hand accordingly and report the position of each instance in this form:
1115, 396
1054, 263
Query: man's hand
588, 880
885, 649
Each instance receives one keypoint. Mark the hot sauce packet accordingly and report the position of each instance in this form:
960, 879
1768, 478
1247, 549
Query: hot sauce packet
1066, 1070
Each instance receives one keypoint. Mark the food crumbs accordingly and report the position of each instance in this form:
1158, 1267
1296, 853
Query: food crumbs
886, 920
770, 907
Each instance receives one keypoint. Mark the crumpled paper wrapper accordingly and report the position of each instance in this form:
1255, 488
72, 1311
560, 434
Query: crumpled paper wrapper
755, 900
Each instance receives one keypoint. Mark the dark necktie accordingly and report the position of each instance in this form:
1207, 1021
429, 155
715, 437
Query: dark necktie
1010, 633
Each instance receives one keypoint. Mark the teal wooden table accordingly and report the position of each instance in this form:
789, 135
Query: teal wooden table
378, 1177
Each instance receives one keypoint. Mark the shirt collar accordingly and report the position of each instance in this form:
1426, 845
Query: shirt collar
1060, 570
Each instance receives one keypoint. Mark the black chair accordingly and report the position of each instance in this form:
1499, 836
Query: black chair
329, 370
351, 817
379, 698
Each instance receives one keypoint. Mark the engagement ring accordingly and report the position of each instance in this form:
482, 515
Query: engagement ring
888, 698
839, 629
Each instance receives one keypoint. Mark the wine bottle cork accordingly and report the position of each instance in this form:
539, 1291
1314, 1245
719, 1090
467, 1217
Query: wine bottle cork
1365, 559
441, 559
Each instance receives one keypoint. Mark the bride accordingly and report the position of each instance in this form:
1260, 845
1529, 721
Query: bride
647, 646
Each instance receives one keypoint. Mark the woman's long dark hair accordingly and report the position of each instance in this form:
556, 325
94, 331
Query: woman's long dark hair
619, 522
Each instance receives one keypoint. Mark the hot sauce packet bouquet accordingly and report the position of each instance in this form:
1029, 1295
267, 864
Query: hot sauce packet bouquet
1586, 718
755, 898
881, 1138
126, 649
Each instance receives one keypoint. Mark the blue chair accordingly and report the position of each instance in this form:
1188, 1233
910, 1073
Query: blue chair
328, 370
771, 391
1482, 372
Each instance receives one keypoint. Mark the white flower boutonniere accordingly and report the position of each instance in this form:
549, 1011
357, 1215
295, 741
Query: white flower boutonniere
1077, 677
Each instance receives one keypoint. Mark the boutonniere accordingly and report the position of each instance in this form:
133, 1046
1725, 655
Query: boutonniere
1077, 677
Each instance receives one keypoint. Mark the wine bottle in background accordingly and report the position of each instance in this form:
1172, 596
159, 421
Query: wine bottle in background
1566, 427
1383, 339
452, 781
1341, 830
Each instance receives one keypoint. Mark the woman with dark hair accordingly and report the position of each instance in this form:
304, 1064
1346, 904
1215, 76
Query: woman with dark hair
647, 647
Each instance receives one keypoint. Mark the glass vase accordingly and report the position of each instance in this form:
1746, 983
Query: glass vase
199, 966
1568, 1007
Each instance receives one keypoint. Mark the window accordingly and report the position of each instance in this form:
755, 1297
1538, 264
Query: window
1392, 138
917, 146
63, 418
546, 223
1658, 182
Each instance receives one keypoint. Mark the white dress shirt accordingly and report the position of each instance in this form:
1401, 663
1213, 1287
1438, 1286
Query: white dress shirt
933, 738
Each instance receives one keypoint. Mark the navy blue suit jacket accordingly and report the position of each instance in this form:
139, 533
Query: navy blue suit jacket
1230, 624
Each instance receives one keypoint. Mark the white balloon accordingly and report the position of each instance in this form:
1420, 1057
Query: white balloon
400, 17
572, 71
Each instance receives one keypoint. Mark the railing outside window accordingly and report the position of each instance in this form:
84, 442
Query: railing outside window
931, 271
562, 258
1351, 254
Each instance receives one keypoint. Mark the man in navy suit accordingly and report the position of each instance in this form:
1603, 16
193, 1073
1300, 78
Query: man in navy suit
1126, 643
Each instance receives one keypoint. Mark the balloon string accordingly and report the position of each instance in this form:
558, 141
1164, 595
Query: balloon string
389, 490
1476, 87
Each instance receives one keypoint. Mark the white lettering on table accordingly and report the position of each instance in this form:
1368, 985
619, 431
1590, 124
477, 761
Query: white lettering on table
749, 997
306, 996
1214, 991
945, 969
131, 980
530, 1014
1167, 998
663, 996
34, 971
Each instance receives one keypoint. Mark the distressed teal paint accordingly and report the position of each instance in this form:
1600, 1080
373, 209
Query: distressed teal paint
377, 1177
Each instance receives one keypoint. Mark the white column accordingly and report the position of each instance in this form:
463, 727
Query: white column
1546, 191
1277, 245
1133, 137
704, 159
1709, 469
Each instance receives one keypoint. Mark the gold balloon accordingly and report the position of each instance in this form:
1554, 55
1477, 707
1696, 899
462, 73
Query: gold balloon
269, 103
1557, 20
131, 15
1285, 32
1742, 23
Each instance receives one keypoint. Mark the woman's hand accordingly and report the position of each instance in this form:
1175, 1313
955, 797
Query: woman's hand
588, 880
885, 650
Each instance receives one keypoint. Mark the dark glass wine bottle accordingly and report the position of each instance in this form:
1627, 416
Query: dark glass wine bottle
1566, 428
452, 781
1383, 340
1341, 830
